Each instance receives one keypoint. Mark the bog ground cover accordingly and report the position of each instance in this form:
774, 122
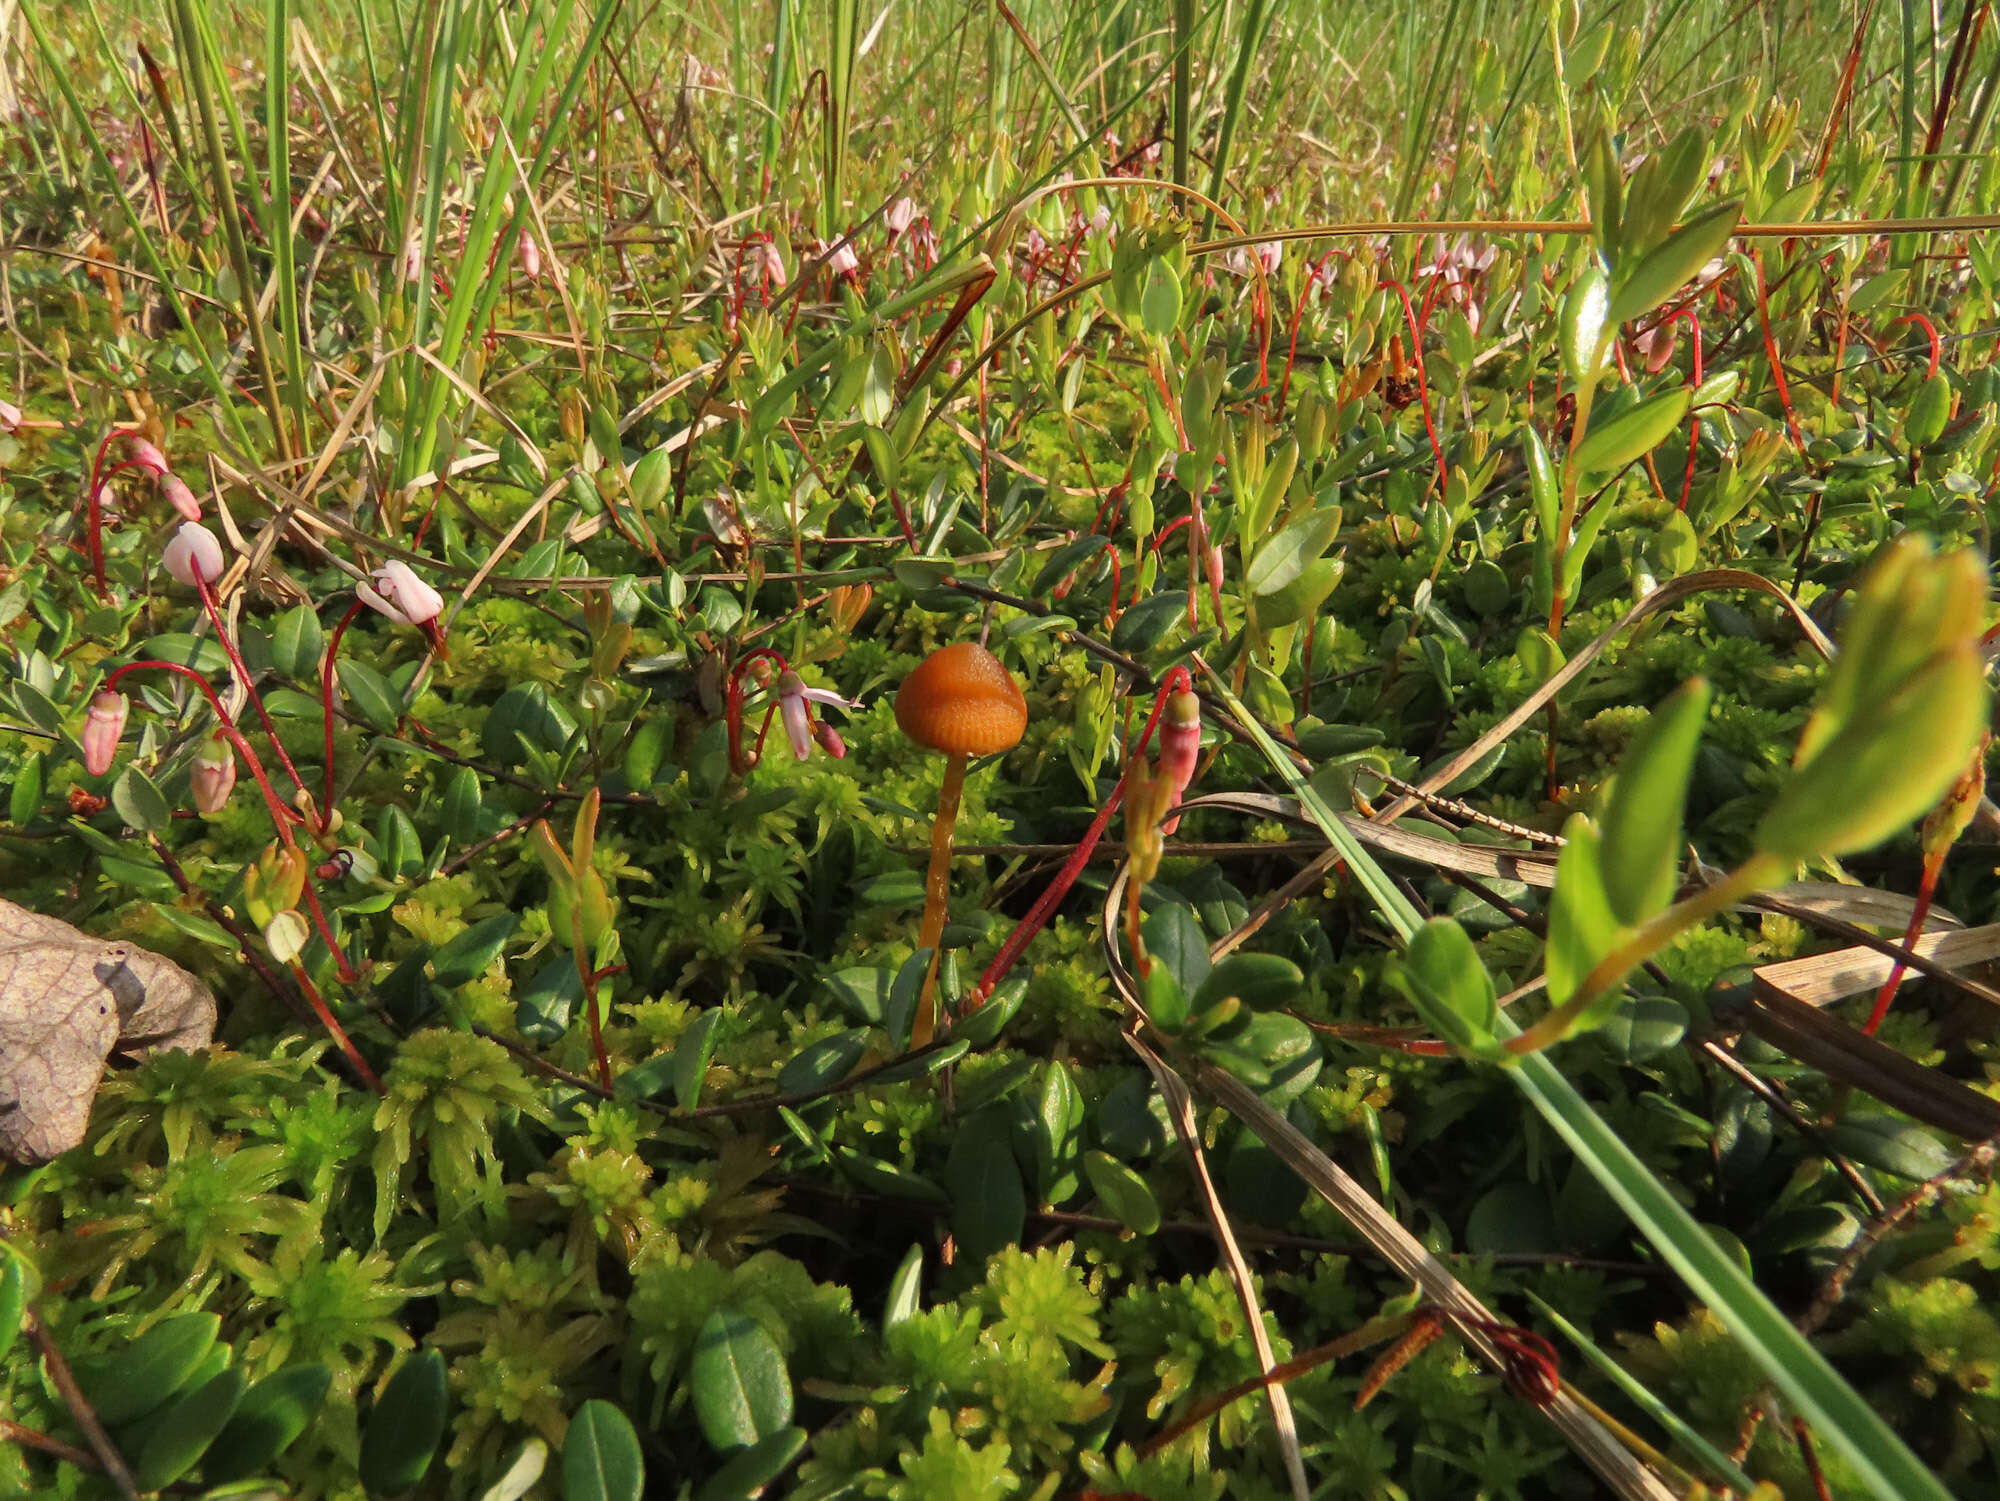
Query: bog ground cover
1172, 750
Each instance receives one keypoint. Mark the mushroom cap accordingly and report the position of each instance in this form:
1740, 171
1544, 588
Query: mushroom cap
962, 701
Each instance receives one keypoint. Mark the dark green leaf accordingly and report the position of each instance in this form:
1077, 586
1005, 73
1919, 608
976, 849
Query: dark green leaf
1123, 1191
1894, 1146
152, 1369
139, 802
1511, 1218
13, 1303
271, 1417
825, 1062
742, 1393
544, 1008
601, 1459
755, 1467
378, 704
524, 713
296, 642
401, 1436
989, 1206
1260, 981
691, 1055
466, 956
187, 1429
461, 806
1147, 622
1632, 434
24, 801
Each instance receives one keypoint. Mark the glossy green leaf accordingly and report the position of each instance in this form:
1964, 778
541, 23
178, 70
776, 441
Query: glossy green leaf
526, 714
1641, 826
1451, 984
139, 802
742, 1392
461, 806
1582, 927
466, 956
1172, 938
651, 478
369, 695
1293, 602
1147, 622
401, 1436
989, 1205
1260, 981
1282, 559
1543, 486
24, 799
906, 1288
601, 1459
1673, 263
1160, 302
1889, 1144
691, 1055
268, 1421
1584, 313
1124, 1192
822, 1063
983, 1026
1633, 433
749, 1471
296, 642
187, 1428
13, 1302
131, 1383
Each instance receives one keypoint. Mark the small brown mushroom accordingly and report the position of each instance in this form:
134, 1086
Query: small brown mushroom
960, 700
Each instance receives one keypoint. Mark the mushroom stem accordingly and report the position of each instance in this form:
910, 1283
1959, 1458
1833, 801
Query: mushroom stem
937, 896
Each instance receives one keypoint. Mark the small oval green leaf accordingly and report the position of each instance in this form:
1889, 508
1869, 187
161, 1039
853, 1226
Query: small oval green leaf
742, 1392
601, 1459
401, 1436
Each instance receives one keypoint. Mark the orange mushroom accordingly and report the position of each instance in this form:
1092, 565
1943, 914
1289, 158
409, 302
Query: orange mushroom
960, 700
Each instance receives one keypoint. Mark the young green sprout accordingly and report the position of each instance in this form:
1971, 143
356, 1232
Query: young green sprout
962, 701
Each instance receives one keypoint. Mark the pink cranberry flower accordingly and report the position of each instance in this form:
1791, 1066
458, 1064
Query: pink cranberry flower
401, 595
214, 775
10, 417
529, 251
900, 216
194, 555
843, 261
180, 497
101, 728
794, 700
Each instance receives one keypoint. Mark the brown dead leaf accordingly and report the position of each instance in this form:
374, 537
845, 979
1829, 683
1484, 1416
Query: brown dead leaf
66, 1000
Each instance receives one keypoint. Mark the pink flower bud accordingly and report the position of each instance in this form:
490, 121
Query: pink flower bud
901, 213
529, 252
214, 775
771, 262
10, 417
829, 739
146, 456
101, 728
1180, 748
193, 554
180, 497
401, 595
410, 264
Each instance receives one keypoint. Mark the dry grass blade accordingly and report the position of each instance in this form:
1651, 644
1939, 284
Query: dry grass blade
1593, 1442
1180, 1106
1823, 979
